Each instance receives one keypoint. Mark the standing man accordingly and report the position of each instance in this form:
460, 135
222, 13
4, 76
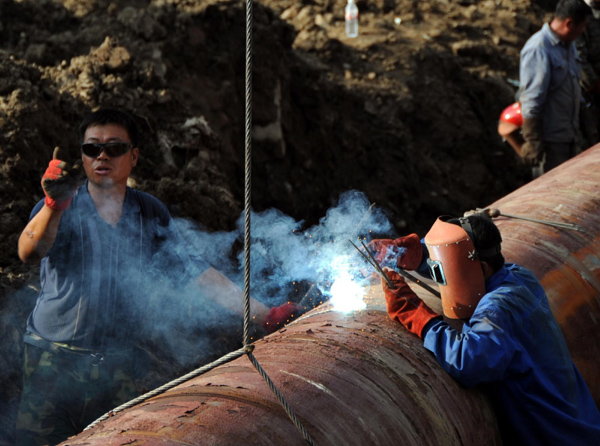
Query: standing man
510, 342
103, 247
550, 94
588, 49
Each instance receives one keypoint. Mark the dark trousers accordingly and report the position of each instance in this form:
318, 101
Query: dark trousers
63, 392
557, 153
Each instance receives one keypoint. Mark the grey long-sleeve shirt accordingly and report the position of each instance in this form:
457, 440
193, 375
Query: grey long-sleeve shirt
550, 88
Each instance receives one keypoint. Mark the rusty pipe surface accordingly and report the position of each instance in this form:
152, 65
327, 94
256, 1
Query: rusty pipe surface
352, 379
359, 378
567, 262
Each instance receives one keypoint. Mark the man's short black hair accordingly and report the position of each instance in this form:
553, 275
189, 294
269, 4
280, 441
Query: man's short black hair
111, 116
576, 10
486, 236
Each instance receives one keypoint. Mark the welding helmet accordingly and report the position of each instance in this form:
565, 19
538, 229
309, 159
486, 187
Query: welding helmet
455, 265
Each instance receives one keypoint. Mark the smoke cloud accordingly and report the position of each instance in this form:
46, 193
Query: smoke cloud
178, 328
283, 254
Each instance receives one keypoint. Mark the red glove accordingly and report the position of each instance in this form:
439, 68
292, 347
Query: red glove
277, 317
404, 252
404, 306
59, 183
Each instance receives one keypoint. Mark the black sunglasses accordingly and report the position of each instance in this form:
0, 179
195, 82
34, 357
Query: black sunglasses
112, 149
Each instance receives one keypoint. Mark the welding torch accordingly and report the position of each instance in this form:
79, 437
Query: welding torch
373, 261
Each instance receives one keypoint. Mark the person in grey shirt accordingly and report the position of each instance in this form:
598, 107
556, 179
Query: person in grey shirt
550, 92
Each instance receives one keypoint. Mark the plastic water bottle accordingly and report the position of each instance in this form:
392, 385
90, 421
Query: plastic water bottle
351, 19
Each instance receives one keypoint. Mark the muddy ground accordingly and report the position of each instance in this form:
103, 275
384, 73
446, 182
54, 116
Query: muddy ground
406, 113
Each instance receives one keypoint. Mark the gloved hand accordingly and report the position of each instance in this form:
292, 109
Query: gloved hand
60, 182
277, 317
532, 151
404, 252
404, 306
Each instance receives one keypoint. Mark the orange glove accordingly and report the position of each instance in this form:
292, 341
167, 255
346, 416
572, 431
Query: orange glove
60, 182
277, 317
404, 252
404, 306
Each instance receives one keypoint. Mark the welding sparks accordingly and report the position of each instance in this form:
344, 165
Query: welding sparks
346, 292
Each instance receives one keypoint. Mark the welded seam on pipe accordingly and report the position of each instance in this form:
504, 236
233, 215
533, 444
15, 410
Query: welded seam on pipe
281, 400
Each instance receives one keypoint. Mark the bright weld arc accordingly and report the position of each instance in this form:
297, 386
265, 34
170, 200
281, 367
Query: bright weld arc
346, 294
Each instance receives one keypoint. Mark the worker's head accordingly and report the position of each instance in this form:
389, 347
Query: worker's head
109, 147
111, 116
570, 19
464, 253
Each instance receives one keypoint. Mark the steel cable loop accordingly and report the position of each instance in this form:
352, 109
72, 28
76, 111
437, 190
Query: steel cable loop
247, 228
140, 399
248, 347
281, 400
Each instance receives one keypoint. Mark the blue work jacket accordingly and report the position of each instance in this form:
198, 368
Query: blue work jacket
513, 347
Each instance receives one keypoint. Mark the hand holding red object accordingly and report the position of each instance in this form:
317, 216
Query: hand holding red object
277, 317
60, 182
404, 306
404, 252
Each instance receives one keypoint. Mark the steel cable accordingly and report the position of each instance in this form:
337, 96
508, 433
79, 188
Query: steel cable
248, 347
248, 171
281, 400
140, 399
247, 228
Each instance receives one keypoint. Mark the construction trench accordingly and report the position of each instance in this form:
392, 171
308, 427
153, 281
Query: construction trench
359, 378
327, 363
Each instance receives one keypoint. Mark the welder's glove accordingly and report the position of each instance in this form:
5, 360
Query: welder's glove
277, 317
404, 252
404, 306
532, 151
60, 182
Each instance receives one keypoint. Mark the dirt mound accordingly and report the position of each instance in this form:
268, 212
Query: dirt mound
406, 112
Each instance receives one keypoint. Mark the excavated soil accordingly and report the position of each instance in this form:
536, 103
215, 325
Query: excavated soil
406, 113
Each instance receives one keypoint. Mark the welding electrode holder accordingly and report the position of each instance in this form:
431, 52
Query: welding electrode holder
371, 259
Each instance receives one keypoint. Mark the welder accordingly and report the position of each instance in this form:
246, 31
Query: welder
510, 343
102, 247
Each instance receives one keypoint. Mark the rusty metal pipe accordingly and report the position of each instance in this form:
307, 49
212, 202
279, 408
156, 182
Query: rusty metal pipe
361, 379
351, 379
566, 262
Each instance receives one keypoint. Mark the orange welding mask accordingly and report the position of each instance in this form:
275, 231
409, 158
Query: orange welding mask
454, 264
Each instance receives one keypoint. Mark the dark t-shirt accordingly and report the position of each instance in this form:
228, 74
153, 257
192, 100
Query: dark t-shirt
96, 277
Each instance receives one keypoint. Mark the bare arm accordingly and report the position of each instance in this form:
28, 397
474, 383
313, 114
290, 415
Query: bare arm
226, 293
38, 236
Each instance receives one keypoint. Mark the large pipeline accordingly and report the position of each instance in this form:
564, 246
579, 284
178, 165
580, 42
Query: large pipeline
360, 379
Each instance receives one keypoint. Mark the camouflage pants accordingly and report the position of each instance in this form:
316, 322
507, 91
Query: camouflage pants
65, 392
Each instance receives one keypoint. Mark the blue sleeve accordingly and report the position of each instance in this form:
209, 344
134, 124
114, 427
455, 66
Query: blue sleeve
173, 258
480, 353
36, 209
535, 76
